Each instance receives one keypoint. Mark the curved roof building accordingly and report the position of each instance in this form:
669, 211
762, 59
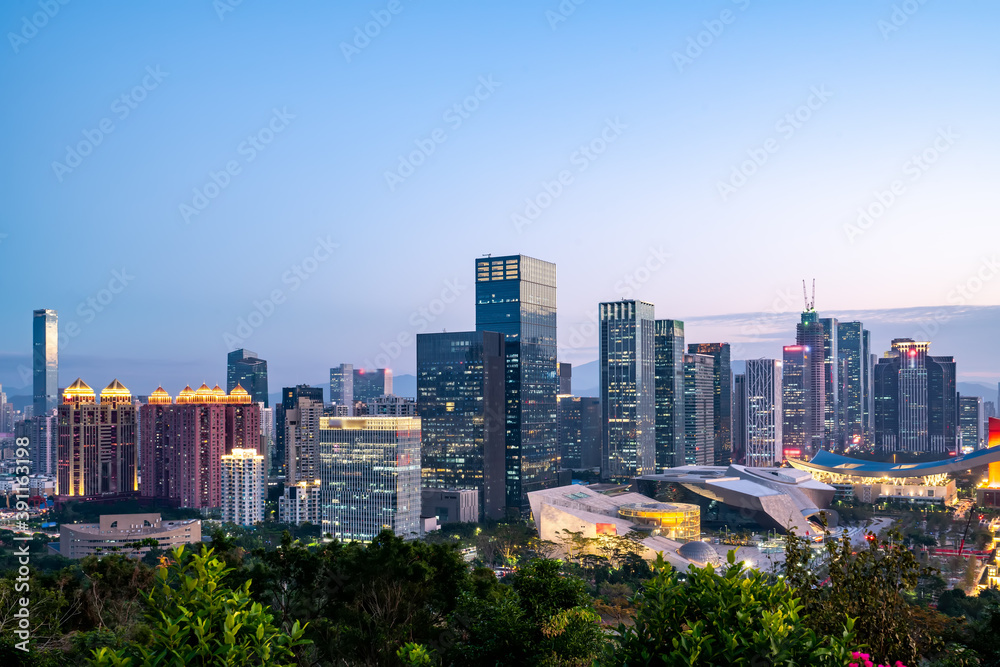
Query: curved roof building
844, 465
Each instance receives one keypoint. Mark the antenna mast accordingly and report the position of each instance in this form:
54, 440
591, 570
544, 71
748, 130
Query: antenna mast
810, 304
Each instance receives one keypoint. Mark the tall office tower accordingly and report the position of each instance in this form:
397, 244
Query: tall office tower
809, 332
628, 389
289, 399
302, 440
581, 430
97, 453
342, 387
183, 442
795, 392
460, 401
44, 444
5, 426
916, 405
763, 412
516, 296
243, 487
723, 383
45, 361
854, 341
565, 372
989, 410
370, 476
699, 410
970, 421
570, 431
246, 370
833, 419
266, 448
669, 370
739, 418
371, 384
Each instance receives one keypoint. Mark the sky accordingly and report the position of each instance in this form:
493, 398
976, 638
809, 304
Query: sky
313, 180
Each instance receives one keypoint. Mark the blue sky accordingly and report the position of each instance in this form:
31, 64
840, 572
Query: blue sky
827, 108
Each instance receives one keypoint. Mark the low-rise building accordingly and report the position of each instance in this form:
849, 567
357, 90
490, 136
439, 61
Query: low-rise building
116, 532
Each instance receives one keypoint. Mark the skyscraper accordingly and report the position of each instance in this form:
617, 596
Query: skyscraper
370, 476
342, 387
833, 419
763, 412
243, 487
516, 296
699, 410
460, 401
368, 384
565, 372
795, 392
581, 431
302, 440
855, 343
289, 399
739, 418
628, 389
45, 361
97, 448
246, 369
916, 405
669, 368
809, 332
722, 381
970, 421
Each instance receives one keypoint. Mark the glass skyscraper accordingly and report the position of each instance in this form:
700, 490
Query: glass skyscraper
367, 385
833, 418
627, 389
970, 421
45, 361
795, 386
669, 368
342, 387
516, 296
855, 342
699, 410
460, 401
739, 418
809, 332
289, 400
246, 369
722, 408
763, 412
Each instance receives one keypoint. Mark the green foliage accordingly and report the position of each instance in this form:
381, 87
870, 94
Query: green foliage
734, 617
195, 620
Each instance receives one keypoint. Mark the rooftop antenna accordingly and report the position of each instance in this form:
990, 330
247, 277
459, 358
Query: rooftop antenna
810, 304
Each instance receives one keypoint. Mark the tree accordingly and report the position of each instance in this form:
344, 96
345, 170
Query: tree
737, 617
196, 621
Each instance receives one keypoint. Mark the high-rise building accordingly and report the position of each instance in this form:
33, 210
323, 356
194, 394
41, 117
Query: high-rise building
565, 372
289, 399
795, 393
302, 440
833, 418
369, 385
370, 476
516, 296
810, 333
388, 405
266, 435
6, 424
699, 409
722, 408
183, 442
855, 344
45, 361
243, 487
739, 418
763, 412
581, 430
669, 370
970, 421
342, 387
460, 401
916, 405
628, 389
245, 369
97, 452
44, 444
300, 503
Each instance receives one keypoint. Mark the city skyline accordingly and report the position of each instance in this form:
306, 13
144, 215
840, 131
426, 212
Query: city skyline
676, 139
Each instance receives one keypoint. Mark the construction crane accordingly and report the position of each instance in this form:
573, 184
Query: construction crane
810, 304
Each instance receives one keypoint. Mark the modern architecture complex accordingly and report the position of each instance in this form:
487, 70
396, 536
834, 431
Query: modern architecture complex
120, 533
669, 370
627, 389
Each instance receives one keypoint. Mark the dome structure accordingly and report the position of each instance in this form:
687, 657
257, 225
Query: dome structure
186, 395
78, 391
701, 553
160, 397
115, 391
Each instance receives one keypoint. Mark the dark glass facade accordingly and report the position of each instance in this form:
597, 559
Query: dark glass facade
970, 421
460, 401
45, 361
369, 385
795, 390
289, 399
342, 387
809, 332
628, 389
246, 369
516, 296
833, 419
669, 369
699, 410
580, 431
723, 384
854, 342
739, 418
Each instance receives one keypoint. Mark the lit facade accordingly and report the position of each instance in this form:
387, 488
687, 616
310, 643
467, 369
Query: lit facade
300, 503
970, 421
516, 296
289, 400
699, 409
243, 487
370, 477
722, 381
678, 521
833, 417
342, 387
97, 448
855, 349
45, 361
114, 533
763, 412
302, 438
809, 332
669, 369
627, 389
795, 392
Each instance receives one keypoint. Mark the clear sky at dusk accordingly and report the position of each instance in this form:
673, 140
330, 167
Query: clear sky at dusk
274, 150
